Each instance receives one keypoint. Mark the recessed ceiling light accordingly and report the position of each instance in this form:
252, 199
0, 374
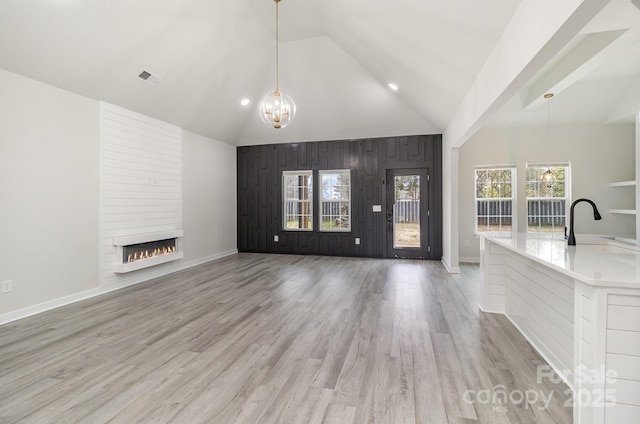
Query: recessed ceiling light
245, 102
393, 86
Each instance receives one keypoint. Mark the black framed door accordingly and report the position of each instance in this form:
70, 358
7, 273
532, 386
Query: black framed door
407, 213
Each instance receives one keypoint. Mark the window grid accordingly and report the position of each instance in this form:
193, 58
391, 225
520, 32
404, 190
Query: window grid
547, 202
494, 194
297, 195
335, 200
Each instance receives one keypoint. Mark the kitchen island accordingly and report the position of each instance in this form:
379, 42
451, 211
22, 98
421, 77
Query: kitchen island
579, 306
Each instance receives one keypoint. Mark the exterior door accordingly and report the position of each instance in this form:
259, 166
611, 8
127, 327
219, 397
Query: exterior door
407, 213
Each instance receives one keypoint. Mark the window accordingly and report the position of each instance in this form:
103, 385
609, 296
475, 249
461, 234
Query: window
495, 194
547, 198
335, 200
297, 197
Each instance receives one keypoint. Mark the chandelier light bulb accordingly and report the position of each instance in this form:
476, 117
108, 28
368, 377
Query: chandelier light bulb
277, 109
548, 178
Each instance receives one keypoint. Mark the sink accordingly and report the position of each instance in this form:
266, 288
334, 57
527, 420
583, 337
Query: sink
593, 239
608, 248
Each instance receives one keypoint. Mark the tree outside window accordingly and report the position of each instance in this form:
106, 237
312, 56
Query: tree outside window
495, 193
298, 200
335, 202
547, 199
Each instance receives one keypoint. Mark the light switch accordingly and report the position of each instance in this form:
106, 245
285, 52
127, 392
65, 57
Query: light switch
377, 208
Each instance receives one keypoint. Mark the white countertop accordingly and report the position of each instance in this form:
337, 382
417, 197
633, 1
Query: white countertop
595, 261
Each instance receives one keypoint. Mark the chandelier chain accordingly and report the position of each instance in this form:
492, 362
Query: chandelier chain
277, 109
277, 43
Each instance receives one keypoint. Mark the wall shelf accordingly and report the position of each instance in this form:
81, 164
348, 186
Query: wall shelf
623, 211
635, 192
623, 184
146, 237
626, 239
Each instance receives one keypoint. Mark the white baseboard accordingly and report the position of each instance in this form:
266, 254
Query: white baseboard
52, 304
546, 354
542, 350
191, 264
491, 310
469, 260
450, 269
77, 297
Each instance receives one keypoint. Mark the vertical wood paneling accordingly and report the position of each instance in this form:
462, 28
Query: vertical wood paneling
140, 182
260, 197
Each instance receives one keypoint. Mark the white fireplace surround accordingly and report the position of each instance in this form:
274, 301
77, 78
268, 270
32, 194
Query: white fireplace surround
119, 267
140, 192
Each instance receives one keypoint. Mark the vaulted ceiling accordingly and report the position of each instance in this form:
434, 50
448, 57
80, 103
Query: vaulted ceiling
336, 59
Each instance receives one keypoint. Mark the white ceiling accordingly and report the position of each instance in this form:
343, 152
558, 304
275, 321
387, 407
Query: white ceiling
600, 87
336, 59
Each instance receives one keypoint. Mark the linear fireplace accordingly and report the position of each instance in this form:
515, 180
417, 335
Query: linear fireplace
150, 249
139, 251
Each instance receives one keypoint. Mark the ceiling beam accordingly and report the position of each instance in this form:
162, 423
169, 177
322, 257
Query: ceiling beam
537, 32
578, 62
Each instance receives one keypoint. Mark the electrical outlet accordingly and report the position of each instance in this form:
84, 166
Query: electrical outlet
275, 238
357, 240
7, 286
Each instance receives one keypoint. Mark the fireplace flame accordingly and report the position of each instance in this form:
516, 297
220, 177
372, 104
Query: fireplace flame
150, 253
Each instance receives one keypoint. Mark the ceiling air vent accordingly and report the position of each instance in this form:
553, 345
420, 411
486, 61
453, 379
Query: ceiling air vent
149, 77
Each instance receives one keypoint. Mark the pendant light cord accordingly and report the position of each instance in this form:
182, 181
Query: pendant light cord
548, 121
548, 97
277, 42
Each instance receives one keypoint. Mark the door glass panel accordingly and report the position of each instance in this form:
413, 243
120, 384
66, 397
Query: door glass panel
406, 211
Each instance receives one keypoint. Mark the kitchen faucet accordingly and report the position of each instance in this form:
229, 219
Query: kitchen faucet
596, 216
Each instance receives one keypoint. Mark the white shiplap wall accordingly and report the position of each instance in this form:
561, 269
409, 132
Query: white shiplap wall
540, 302
623, 356
498, 281
140, 184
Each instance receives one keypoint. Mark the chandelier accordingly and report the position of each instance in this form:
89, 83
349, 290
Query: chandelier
277, 109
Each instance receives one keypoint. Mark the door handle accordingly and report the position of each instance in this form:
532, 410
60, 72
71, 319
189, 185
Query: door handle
389, 217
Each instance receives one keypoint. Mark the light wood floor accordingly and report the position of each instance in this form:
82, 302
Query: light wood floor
277, 339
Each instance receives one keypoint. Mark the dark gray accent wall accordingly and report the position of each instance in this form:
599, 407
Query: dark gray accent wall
260, 193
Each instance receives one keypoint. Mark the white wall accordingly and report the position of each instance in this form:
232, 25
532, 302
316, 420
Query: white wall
208, 198
49, 197
598, 154
48, 192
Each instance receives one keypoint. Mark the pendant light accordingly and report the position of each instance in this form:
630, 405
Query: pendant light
277, 109
548, 178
